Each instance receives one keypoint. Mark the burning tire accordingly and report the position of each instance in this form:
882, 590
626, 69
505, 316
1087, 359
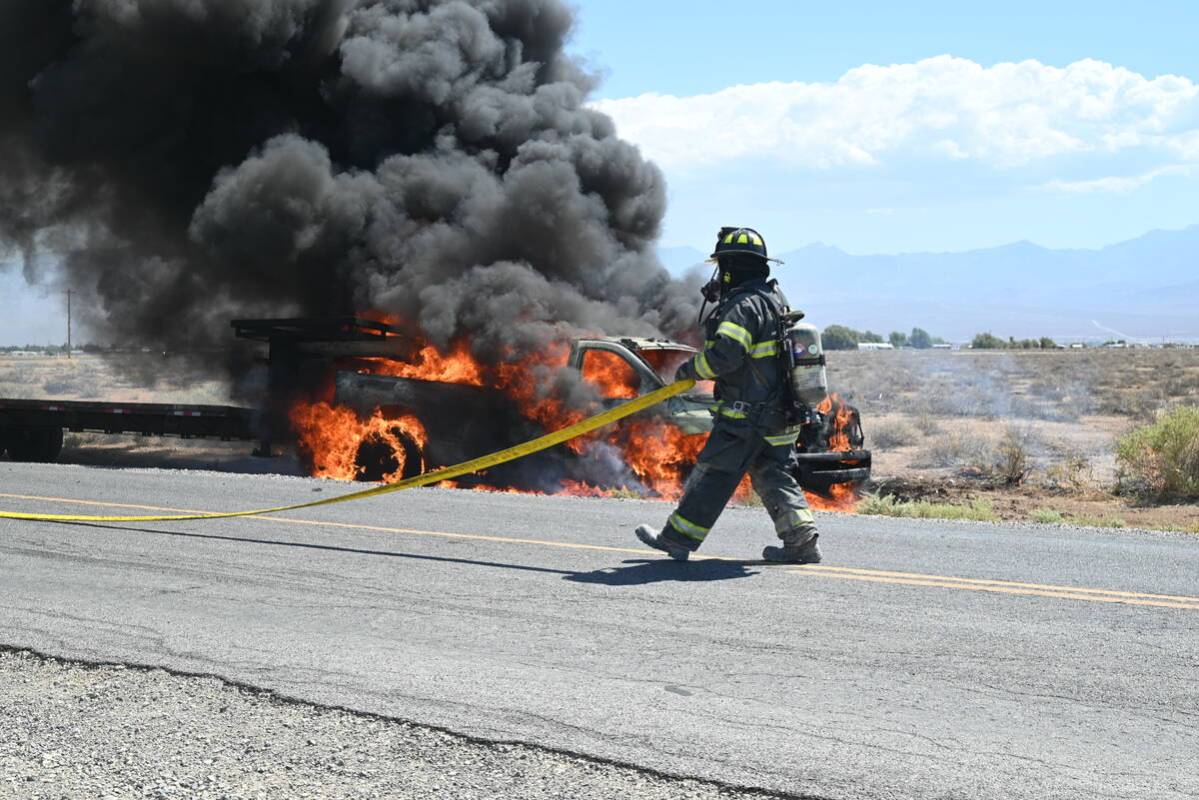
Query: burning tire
831, 459
820, 472
378, 457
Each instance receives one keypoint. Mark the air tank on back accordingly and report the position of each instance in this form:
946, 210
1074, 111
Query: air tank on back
805, 359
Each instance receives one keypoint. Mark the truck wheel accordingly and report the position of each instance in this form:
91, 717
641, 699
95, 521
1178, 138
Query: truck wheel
40, 445
376, 459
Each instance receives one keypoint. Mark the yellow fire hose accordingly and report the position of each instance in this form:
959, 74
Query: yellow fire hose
444, 474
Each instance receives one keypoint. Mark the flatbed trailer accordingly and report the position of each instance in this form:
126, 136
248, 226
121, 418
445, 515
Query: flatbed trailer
32, 430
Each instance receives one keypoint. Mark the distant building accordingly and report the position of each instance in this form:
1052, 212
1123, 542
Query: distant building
942, 347
875, 346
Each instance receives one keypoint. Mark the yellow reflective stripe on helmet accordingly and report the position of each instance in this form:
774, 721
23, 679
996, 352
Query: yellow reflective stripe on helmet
743, 239
688, 528
753, 237
735, 332
764, 349
703, 368
729, 239
782, 439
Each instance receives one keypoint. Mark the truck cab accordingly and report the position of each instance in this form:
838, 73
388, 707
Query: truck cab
625, 367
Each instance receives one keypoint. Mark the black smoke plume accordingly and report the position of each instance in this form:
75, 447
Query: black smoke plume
191, 161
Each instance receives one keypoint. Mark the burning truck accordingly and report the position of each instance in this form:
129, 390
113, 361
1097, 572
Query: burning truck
292, 164
426, 416
361, 400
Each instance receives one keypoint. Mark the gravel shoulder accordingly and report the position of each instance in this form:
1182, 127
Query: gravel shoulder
71, 730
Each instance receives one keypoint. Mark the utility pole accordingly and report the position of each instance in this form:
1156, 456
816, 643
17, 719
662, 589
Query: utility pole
69, 293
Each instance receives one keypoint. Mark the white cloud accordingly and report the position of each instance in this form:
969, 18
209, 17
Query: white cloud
945, 108
1118, 183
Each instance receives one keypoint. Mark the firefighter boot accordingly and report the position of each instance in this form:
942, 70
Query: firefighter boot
655, 540
799, 547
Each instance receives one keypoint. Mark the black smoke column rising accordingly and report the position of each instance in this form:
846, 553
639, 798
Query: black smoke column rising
196, 160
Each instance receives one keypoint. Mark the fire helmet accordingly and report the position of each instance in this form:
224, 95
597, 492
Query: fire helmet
740, 240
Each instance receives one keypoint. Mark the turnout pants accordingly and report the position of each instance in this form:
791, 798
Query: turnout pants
733, 449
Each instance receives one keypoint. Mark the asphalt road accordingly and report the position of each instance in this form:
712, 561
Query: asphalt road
922, 660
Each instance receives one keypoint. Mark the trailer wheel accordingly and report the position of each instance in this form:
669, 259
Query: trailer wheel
41, 445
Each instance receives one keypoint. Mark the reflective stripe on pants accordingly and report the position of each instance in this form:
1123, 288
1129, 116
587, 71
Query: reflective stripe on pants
733, 449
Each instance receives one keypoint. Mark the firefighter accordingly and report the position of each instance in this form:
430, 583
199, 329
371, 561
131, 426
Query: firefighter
750, 431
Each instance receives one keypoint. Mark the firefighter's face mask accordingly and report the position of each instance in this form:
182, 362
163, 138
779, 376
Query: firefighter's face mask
722, 281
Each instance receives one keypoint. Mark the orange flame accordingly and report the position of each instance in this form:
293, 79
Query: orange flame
842, 498
838, 441
657, 452
456, 366
332, 438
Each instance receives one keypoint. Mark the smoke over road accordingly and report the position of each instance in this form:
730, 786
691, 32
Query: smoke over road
195, 160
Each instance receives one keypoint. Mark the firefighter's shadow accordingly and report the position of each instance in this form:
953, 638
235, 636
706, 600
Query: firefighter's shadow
641, 571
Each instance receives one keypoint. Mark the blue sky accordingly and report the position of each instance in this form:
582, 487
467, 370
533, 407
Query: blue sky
694, 46
1065, 150
766, 116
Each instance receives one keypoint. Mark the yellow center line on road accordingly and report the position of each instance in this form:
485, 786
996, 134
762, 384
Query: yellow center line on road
849, 572
1000, 587
885, 577
476, 537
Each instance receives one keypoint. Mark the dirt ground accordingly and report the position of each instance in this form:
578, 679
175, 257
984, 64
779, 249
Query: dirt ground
1030, 432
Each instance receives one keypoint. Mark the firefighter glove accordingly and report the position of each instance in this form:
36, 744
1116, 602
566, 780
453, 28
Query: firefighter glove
685, 371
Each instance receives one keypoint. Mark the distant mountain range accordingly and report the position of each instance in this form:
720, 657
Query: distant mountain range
1146, 288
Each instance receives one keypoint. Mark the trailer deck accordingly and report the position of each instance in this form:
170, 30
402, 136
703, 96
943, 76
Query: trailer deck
31, 430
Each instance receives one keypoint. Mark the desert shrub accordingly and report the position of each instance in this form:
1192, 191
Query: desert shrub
1013, 462
1024, 408
1182, 385
1070, 470
927, 424
979, 510
1160, 461
964, 451
896, 434
1045, 515
58, 387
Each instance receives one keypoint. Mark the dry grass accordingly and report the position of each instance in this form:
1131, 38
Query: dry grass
1035, 432
978, 510
1046, 515
132, 378
1054, 386
896, 434
1047, 418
